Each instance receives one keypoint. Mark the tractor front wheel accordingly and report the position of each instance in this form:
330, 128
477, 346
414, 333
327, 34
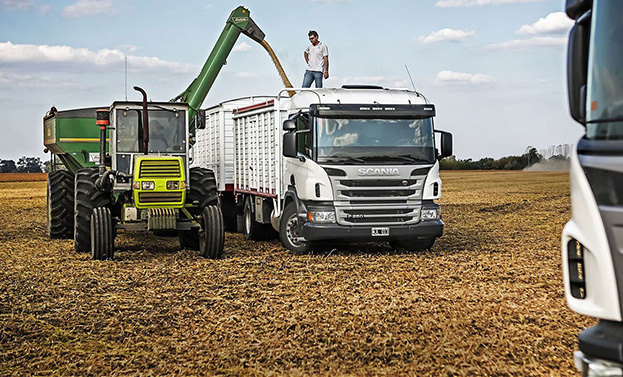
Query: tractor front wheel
102, 234
212, 234
86, 198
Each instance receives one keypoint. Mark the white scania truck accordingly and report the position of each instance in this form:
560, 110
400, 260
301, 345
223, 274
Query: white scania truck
356, 164
592, 241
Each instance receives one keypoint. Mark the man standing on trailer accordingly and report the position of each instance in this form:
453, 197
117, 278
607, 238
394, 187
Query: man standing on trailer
317, 59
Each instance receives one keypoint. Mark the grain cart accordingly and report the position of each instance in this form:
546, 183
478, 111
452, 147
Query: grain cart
592, 241
355, 164
126, 167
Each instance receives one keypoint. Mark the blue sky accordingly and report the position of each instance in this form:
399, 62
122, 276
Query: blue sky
494, 68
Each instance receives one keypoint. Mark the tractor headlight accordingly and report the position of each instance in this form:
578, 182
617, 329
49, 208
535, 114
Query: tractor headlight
321, 216
173, 185
148, 185
430, 214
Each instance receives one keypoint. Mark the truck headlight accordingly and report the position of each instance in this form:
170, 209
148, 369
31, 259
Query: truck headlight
173, 185
148, 185
321, 216
429, 214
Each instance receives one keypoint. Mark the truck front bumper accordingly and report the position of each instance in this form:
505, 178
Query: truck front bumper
424, 229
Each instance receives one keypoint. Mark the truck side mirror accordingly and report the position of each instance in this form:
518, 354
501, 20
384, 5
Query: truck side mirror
289, 125
200, 119
289, 144
446, 144
577, 68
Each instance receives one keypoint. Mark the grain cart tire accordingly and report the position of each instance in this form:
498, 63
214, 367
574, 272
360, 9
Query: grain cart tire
251, 229
189, 239
86, 198
289, 231
60, 204
102, 234
212, 234
414, 245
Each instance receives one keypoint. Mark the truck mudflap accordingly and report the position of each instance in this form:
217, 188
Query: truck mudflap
425, 229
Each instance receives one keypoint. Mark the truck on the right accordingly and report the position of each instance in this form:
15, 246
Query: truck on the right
592, 241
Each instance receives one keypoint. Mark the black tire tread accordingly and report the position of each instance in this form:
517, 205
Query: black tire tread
86, 198
102, 234
213, 232
60, 204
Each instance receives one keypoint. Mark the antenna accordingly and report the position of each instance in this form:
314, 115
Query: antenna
415, 90
126, 78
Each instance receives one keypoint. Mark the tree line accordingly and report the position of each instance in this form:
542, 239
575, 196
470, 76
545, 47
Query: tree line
531, 157
23, 165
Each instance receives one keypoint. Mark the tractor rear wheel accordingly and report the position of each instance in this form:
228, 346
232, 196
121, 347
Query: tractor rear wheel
60, 204
86, 198
102, 234
212, 234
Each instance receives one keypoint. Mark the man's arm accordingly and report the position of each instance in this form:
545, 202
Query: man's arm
306, 57
326, 66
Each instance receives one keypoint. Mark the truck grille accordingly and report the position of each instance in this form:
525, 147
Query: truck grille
159, 197
160, 168
370, 201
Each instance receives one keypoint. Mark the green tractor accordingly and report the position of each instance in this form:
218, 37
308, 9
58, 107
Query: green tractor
139, 181
126, 167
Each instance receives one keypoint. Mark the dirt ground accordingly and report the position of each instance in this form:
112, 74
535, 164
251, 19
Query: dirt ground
488, 300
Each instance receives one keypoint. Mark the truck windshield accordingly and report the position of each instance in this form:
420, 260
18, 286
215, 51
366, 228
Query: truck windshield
605, 80
390, 141
166, 131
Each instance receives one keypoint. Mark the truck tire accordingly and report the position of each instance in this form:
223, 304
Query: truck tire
86, 198
212, 234
102, 234
289, 234
251, 229
202, 190
189, 239
414, 245
60, 204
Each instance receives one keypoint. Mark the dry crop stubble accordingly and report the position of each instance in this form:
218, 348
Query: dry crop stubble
488, 300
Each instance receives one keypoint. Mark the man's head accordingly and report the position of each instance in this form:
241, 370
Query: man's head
313, 36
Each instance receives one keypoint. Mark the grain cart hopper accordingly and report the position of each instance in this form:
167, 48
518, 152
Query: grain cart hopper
592, 241
126, 167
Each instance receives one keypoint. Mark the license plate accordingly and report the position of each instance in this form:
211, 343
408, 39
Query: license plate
380, 232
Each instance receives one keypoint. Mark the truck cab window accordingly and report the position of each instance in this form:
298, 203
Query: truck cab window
304, 138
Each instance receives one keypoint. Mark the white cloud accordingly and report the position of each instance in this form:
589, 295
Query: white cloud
464, 78
129, 48
242, 47
85, 8
553, 23
446, 35
47, 57
25, 5
29, 81
534, 42
472, 3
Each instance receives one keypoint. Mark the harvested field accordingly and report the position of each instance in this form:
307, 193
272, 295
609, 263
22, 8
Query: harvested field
487, 301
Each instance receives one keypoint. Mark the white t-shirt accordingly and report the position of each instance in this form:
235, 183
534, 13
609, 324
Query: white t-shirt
315, 55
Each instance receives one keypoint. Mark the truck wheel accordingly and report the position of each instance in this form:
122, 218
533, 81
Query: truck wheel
289, 231
202, 189
60, 204
251, 228
212, 234
189, 239
102, 234
414, 245
86, 198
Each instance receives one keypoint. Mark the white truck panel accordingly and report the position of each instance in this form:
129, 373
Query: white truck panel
214, 147
257, 151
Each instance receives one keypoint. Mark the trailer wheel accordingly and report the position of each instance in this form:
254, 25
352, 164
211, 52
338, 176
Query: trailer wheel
251, 229
60, 204
202, 190
414, 245
289, 231
189, 239
212, 234
86, 198
102, 234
